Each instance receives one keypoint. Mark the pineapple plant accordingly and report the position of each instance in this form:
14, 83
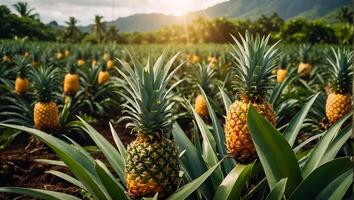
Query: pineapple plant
339, 100
103, 75
152, 164
282, 69
46, 114
305, 65
71, 80
254, 63
21, 82
203, 75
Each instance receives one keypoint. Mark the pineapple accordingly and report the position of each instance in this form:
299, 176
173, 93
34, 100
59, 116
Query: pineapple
282, 71
110, 62
80, 59
254, 63
67, 53
46, 114
71, 80
305, 66
339, 100
103, 76
59, 55
21, 83
6, 57
203, 75
152, 158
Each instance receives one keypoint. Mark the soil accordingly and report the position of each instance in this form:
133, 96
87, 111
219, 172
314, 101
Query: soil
18, 168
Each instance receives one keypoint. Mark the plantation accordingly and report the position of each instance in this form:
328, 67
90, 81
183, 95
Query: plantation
267, 115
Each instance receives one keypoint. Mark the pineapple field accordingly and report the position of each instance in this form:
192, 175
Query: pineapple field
253, 119
178, 99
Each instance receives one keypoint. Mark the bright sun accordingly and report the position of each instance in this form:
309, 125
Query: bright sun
179, 7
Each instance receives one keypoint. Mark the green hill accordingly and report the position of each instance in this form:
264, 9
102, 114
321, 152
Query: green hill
241, 9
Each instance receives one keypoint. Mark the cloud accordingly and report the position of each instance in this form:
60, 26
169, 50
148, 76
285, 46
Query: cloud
84, 10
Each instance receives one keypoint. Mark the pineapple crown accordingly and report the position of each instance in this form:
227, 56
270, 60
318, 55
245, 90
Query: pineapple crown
341, 70
22, 65
203, 75
253, 65
283, 61
304, 53
72, 66
45, 80
149, 98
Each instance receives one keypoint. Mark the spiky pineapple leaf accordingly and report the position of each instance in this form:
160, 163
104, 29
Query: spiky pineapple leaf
275, 153
42, 194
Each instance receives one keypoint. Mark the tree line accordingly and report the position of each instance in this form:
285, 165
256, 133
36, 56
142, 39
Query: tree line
299, 30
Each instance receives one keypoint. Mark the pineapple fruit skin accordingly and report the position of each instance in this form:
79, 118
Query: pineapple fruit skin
151, 167
80, 62
46, 115
338, 105
281, 75
238, 140
109, 64
304, 69
21, 85
200, 106
103, 77
71, 83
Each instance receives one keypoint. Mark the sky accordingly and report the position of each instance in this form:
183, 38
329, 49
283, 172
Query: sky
84, 10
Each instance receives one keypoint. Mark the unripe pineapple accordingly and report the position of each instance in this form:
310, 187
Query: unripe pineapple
152, 158
103, 76
254, 63
71, 81
46, 114
305, 67
203, 75
339, 100
21, 82
282, 71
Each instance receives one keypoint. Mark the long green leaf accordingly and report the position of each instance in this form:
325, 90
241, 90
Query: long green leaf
316, 155
226, 99
321, 178
275, 153
42, 194
118, 142
191, 159
189, 188
337, 188
296, 123
112, 155
233, 184
66, 177
278, 191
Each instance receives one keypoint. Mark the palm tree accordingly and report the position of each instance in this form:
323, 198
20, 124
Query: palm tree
72, 33
112, 34
344, 15
99, 28
24, 10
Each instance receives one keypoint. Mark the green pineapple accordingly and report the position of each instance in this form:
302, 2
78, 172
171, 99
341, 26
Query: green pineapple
152, 158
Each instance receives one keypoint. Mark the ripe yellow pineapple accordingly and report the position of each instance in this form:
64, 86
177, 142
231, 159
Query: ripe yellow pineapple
71, 81
103, 75
46, 114
21, 82
59, 55
80, 62
203, 75
339, 100
67, 53
109, 64
252, 81
282, 72
152, 158
305, 67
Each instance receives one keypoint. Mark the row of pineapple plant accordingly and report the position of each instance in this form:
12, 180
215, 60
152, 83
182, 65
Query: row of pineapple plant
147, 168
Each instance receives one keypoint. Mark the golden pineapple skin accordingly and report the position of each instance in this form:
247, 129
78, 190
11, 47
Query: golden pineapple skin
151, 167
6, 58
59, 56
46, 115
200, 106
80, 62
71, 83
67, 53
103, 77
304, 69
338, 105
106, 56
21, 85
238, 140
281, 75
109, 64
